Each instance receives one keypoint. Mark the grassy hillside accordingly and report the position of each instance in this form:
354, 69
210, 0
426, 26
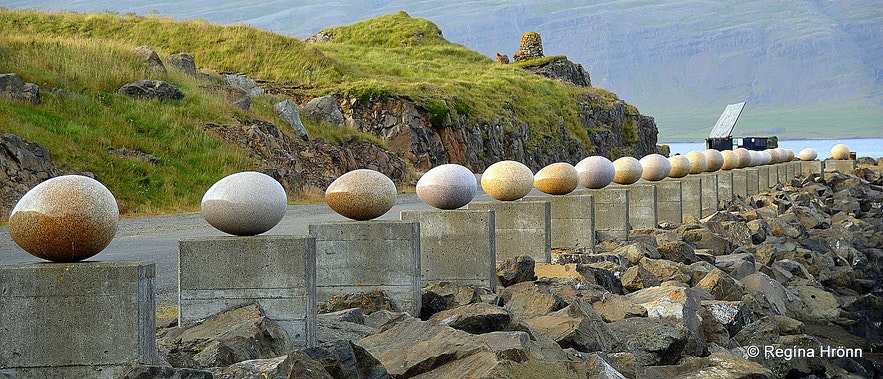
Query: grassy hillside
86, 58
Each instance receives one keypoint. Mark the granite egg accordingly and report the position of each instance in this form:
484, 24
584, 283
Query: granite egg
840, 152
783, 154
507, 180
791, 154
656, 167
680, 166
808, 154
244, 204
627, 170
595, 172
449, 186
744, 157
731, 160
556, 179
361, 194
764, 158
697, 162
65, 219
714, 160
774, 155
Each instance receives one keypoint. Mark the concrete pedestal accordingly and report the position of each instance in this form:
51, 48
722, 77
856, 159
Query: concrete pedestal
362, 256
572, 220
773, 175
724, 185
521, 227
808, 168
611, 212
740, 182
783, 172
763, 178
708, 181
457, 246
276, 272
843, 167
643, 209
76, 320
753, 180
669, 204
691, 195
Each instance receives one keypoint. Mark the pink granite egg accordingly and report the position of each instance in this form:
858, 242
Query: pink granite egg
361, 194
595, 172
656, 167
449, 186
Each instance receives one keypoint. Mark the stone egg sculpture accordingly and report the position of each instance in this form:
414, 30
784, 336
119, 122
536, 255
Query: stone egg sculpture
840, 152
627, 170
731, 160
783, 155
744, 157
774, 155
764, 158
449, 186
507, 180
697, 162
714, 160
65, 219
656, 167
791, 154
595, 172
680, 166
808, 154
361, 194
556, 179
244, 204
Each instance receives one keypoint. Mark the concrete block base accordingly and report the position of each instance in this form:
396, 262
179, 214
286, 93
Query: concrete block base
763, 178
811, 167
76, 320
572, 220
843, 167
276, 272
724, 185
361, 256
708, 181
691, 195
457, 246
753, 180
669, 204
611, 212
740, 182
643, 207
521, 227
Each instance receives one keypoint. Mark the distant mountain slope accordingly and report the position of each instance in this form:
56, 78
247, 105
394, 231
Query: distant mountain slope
810, 68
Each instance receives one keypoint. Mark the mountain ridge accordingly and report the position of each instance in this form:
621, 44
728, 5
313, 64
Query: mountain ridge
806, 68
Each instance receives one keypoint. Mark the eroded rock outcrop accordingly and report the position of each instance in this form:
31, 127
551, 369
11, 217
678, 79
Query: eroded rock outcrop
23, 165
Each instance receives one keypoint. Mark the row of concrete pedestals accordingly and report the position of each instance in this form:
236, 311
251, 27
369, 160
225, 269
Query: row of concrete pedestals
95, 319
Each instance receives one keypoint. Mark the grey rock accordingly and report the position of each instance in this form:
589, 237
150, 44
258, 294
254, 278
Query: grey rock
344, 360
221, 340
300, 365
324, 109
733, 315
13, 87
330, 328
383, 319
665, 270
516, 270
637, 278
163, 372
563, 70
369, 302
353, 315
236, 96
717, 366
763, 332
244, 83
652, 342
149, 55
737, 265
151, 89
290, 114
475, 318
721, 286
510, 345
442, 296
531, 299
677, 251
23, 165
768, 297
183, 62
250, 369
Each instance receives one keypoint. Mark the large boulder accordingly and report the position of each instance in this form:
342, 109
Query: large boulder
149, 56
516, 270
442, 296
531, 299
23, 165
221, 340
324, 109
243, 82
562, 69
652, 342
151, 89
716, 365
577, 326
183, 62
369, 302
13, 87
475, 318
343, 359
290, 114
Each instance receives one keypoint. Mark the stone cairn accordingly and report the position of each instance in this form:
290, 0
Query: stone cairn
531, 47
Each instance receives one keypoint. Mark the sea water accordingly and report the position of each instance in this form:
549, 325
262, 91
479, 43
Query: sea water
863, 147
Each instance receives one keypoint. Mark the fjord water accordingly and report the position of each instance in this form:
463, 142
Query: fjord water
863, 147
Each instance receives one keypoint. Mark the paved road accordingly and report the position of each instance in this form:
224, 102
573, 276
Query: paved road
155, 239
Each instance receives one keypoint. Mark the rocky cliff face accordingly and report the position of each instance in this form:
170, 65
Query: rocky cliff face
614, 128
22, 166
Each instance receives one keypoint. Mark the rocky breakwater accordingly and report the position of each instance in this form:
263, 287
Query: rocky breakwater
783, 284
23, 165
614, 129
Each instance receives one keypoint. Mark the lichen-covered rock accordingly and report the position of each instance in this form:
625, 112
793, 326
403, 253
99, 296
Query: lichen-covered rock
556, 179
449, 186
244, 204
13, 87
361, 194
65, 219
324, 109
151, 89
507, 180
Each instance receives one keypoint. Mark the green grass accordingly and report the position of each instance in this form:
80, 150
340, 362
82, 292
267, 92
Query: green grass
89, 56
